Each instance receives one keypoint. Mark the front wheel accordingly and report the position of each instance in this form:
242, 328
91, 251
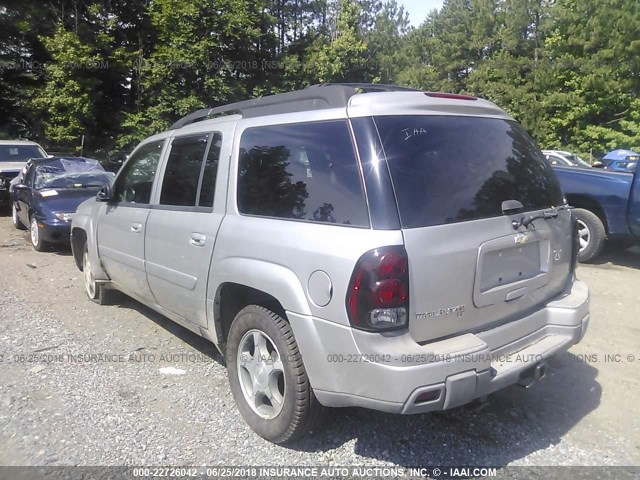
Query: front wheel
97, 292
591, 233
36, 237
267, 377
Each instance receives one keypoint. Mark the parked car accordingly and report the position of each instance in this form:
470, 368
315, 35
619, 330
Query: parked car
321, 241
607, 207
565, 159
621, 160
13, 158
49, 193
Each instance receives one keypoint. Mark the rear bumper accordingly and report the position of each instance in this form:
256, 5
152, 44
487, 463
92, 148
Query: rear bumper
389, 372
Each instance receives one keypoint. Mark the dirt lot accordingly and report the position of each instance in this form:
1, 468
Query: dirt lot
126, 411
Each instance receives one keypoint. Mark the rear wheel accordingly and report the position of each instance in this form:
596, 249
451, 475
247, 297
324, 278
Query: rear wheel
36, 236
14, 216
267, 377
591, 233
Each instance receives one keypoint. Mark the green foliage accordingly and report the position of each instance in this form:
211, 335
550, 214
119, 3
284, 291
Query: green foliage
194, 62
568, 70
117, 71
340, 58
65, 101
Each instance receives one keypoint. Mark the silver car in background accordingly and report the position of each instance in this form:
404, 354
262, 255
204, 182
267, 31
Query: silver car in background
346, 245
14, 155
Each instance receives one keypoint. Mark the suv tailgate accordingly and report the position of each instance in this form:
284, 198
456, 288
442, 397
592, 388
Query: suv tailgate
469, 267
473, 275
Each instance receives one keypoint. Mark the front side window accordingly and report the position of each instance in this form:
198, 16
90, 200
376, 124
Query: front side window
302, 171
448, 169
183, 170
136, 181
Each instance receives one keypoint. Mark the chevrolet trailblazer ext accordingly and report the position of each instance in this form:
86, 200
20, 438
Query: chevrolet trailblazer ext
346, 245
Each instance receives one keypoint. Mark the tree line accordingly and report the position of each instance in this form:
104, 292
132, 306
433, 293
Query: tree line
117, 71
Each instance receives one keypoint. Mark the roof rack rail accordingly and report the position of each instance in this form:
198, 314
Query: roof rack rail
372, 87
315, 97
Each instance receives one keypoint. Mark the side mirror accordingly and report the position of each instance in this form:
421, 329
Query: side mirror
105, 194
20, 187
597, 165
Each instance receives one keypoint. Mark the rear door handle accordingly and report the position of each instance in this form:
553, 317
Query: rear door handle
136, 227
198, 239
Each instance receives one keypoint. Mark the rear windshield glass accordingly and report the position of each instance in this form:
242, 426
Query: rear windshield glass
19, 153
448, 169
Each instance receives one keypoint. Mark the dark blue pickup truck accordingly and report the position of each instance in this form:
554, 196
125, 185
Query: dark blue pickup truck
607, 207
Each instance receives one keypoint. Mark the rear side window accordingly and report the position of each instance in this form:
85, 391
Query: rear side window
182, 173
189, 178
448, 169
304, 171
210, 172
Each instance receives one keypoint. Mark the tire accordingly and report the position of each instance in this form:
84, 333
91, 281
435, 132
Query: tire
14, 217
39, 245
283, 407
592, 234
97, 292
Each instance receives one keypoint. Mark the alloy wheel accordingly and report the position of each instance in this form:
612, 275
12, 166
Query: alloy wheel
35, 234
261, 374
584, 234
89, 281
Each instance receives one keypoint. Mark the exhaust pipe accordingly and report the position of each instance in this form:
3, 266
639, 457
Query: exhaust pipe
533, 375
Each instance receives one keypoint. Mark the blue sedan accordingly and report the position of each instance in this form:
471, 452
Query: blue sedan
48, 192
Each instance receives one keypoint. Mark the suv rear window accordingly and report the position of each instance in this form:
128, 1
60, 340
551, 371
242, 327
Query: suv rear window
448, 169
302, 171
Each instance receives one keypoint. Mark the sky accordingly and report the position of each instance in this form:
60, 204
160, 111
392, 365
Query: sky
418, 9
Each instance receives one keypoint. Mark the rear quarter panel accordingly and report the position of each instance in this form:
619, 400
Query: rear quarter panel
278, 257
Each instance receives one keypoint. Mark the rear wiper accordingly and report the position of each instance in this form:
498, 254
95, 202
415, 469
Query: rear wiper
546, 215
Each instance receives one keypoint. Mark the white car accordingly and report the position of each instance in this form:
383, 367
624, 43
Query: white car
563, 158
14, 155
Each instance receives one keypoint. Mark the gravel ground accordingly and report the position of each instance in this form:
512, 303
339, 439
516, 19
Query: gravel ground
122, 410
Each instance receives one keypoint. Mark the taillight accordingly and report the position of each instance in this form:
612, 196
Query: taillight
378, 295
575, 244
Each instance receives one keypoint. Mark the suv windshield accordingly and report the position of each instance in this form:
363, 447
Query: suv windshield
20, 153
448, 169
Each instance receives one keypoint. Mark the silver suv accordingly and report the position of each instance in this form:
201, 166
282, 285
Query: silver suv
346, 245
